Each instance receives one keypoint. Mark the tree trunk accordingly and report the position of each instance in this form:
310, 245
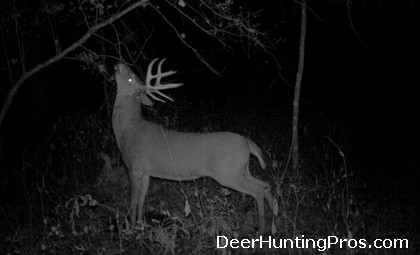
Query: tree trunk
299, 75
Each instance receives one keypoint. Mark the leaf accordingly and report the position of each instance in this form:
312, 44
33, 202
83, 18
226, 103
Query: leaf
275, 207
187, 209
273, 228
181, 3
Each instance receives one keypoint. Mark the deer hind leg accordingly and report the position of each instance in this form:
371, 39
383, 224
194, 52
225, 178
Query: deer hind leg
269, 197
265, 187
249, 186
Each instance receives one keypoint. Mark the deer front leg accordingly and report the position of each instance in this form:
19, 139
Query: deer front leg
135, 194
144, 186
139, 182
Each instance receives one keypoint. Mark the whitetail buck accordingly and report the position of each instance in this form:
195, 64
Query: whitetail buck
150, 150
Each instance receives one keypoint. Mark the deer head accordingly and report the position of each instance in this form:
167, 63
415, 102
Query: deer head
129, 84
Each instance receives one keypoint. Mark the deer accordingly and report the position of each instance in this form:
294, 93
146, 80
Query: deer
149, 150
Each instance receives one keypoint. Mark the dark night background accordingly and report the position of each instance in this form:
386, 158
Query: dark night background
359, 89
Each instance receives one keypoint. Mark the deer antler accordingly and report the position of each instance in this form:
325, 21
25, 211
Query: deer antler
152, 90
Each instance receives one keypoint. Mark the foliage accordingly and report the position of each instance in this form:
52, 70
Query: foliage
77, 209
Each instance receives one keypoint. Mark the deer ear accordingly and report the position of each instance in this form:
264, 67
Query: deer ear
144, 99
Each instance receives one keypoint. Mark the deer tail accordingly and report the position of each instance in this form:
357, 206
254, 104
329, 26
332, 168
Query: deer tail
257, 152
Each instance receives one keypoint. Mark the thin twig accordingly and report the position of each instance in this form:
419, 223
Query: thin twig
194, 50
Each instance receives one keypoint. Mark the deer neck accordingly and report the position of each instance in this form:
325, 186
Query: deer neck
126, 114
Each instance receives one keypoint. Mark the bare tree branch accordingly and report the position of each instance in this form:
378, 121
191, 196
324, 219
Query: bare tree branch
199, 56
12, 93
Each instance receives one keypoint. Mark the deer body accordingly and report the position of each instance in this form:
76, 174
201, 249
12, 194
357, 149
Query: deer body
150, 150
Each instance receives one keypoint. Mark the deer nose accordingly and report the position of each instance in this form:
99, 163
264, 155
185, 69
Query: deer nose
117, 67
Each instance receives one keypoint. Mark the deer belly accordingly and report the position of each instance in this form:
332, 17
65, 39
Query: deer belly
176, 174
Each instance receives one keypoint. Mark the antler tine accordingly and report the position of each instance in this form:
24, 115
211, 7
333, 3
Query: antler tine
158, 86
159, 74
161, 94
